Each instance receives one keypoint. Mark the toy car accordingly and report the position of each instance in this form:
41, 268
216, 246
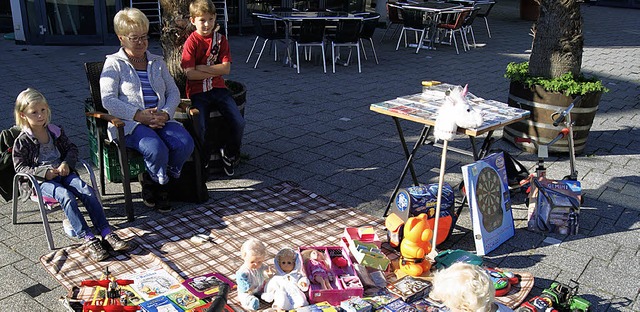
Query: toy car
537, 304
110, 299
564, 298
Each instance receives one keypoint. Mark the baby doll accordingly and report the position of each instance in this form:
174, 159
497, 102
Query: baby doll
317, 269
465, 287
286, 289
252, 275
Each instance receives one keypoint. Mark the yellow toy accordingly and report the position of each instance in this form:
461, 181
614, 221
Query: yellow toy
415, 246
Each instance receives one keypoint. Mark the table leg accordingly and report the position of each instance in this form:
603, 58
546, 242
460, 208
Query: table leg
409, 164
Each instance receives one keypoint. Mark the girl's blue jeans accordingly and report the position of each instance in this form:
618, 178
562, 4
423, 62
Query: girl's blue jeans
65, 190
220, 99
164, 150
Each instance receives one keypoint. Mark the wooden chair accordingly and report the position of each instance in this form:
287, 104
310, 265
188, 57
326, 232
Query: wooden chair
102, 118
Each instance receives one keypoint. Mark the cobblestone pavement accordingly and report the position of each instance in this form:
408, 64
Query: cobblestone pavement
317, 130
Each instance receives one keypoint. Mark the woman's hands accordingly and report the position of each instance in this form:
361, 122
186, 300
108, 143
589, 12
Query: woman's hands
152, 117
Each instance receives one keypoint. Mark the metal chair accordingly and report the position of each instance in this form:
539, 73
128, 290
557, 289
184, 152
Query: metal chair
369, 25
100, 115
347, 35
267, 27
311, 33
394, 17
45, 204
413, 20
485, 8
467, 26
456, 26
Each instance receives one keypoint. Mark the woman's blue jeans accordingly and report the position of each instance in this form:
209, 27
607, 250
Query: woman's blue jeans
65, 190
220, 99
164, 150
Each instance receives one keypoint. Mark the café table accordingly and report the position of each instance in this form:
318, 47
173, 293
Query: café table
423, 108
289, 17
434, 11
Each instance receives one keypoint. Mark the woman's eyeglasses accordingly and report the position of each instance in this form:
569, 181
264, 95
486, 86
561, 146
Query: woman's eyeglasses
138, 39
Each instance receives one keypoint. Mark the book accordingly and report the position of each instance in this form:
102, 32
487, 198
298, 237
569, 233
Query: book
398, 305
204, 286
317, 307
426, 304
185, 299
152, 283
355, 304
160, 304
132, 298
409, 288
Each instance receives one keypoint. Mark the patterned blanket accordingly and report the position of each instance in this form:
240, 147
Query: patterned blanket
281, 216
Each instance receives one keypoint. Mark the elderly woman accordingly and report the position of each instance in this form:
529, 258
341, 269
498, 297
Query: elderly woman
136, 87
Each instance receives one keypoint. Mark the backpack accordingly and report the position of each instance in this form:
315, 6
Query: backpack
7, 137
516, 171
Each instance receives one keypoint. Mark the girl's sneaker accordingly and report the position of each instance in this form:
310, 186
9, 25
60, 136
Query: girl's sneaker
96, 251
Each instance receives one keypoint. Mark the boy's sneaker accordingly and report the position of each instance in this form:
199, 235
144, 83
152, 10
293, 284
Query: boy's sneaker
227, 163
147, 189
95, 250
115, 242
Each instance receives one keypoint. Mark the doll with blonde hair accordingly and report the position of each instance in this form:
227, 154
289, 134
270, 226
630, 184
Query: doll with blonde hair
44, 151
286, 289
465, 287
252, 275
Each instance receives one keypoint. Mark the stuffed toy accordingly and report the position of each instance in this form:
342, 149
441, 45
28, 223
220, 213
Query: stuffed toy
286, 288
456, 112
415, 246
252, 275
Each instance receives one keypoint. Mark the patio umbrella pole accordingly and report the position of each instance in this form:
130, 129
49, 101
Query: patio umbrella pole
443, 160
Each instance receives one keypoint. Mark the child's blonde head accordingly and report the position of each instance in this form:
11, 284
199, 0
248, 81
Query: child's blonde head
463, 287
130, 20
28, 97
253, 247
201, 7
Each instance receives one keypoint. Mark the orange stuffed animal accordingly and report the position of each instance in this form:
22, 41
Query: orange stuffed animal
415, 246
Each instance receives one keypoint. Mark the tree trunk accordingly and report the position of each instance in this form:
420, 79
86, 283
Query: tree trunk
175, 31
557, 39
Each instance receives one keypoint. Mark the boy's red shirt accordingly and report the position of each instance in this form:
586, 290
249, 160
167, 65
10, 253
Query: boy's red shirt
199, 50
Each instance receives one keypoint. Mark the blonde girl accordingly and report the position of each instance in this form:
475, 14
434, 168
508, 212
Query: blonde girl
44, 151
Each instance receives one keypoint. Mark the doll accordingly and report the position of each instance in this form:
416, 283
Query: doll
317, 269
286, 289
252, 275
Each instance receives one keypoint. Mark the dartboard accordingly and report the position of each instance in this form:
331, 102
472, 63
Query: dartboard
489, 198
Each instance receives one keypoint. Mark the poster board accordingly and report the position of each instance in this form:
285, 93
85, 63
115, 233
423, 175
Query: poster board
487, 191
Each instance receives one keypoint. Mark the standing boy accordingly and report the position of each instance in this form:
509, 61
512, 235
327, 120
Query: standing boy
205, 58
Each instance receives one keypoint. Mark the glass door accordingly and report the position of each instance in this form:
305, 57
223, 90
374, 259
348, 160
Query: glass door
81, 22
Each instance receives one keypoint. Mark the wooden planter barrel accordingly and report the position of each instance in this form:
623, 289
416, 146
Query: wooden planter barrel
539, 126
217, 128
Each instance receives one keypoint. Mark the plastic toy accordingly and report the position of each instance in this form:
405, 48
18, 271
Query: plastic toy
415, 246
364, 245
558, 297
344, 282
252, 275
318, 270
448, 257
502, 280
112, 301
286, 288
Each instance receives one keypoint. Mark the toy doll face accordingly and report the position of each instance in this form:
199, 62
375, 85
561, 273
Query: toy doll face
286, 263
253, 261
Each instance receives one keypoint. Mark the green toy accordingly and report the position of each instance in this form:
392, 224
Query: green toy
564, 298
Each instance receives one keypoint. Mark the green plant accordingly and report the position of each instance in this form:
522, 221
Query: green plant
566, 83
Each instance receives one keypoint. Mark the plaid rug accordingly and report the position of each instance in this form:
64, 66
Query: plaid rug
281, 216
